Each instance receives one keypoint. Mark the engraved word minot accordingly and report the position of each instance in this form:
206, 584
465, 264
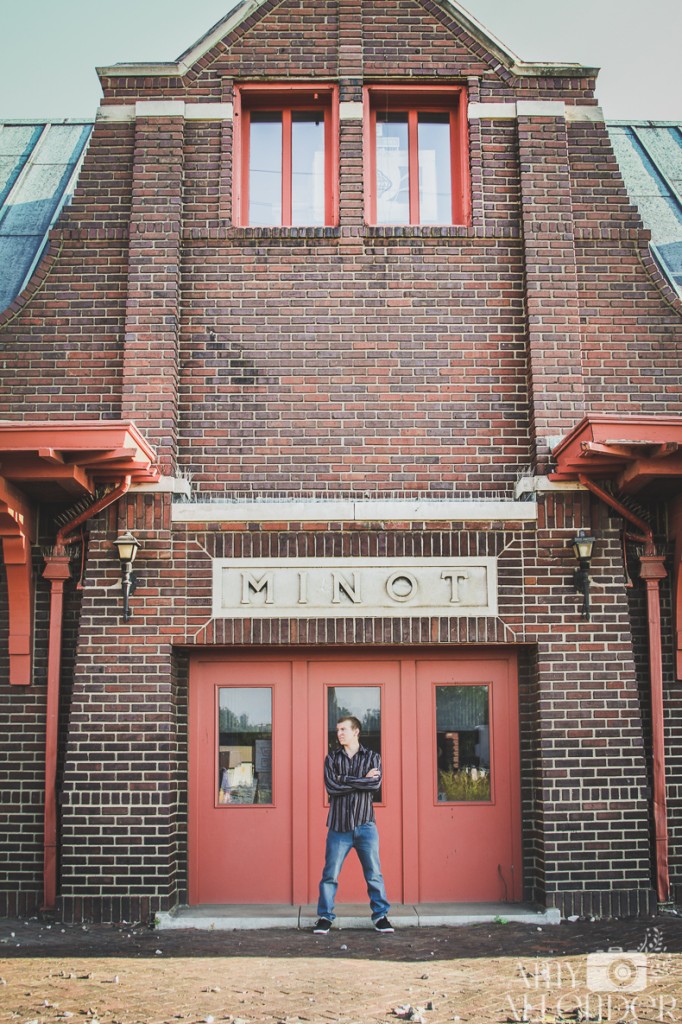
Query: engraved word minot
311, 587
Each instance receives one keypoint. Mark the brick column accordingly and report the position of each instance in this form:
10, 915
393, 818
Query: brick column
150, 360
350, 65
123, 829
589, 819
553, 310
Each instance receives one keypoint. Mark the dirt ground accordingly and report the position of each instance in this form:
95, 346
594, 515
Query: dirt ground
583, 971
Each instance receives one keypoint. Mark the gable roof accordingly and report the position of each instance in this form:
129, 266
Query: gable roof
248, 8
39, 165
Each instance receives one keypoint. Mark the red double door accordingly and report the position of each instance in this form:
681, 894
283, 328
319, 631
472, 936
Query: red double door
448, 812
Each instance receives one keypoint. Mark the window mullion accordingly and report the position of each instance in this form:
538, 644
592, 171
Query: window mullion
245, 165
413, 164
286, 168
455, 176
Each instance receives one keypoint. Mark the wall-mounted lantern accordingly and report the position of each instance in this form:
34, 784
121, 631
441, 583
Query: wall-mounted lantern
582, 549
127, 545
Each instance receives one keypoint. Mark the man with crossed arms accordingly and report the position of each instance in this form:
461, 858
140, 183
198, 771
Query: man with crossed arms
351, 774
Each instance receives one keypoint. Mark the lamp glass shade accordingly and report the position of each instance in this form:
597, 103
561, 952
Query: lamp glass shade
127, 545
582, 546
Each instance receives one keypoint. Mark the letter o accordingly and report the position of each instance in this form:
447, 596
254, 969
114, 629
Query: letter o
396, 595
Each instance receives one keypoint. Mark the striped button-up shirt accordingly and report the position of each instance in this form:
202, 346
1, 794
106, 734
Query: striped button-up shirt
350, 792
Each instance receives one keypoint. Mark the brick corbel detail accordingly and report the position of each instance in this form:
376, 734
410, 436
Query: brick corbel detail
17, 532
553, 311
150, 362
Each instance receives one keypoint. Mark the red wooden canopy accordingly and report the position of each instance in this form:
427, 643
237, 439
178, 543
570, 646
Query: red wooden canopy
54, 462
639, 454
636, 452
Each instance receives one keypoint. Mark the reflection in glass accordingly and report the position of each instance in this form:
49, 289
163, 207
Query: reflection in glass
463, 743
364, 703
307, 167
435, 186
392, 169
265, 169
245, 745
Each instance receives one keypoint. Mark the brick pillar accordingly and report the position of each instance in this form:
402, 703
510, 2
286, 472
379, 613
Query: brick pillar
150, 360
122, 837
350, 39
350, 65
553, 310
589, 819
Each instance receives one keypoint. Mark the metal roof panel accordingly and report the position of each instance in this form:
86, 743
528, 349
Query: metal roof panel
650, 160
17, 253
38, 162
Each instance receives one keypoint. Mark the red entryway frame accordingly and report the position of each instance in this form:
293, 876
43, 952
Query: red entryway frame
431, 851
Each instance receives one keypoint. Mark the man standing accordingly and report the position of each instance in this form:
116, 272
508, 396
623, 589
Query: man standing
351, 774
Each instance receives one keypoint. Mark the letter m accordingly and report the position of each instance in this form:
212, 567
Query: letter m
252, 584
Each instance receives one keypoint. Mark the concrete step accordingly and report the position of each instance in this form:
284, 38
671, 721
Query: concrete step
352, 915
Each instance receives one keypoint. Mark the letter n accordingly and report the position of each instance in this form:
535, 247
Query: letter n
341, 583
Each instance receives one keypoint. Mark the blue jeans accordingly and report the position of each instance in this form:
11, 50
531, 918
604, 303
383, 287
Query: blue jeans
365, 840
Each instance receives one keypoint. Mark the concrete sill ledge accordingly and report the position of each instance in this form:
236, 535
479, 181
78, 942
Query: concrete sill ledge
237, 917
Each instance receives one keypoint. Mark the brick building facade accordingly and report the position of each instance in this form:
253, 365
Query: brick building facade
356, 449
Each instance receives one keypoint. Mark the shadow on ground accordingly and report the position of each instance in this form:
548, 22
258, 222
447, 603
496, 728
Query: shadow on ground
35, 938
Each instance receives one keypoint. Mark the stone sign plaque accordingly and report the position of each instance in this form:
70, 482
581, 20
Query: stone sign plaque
353, 587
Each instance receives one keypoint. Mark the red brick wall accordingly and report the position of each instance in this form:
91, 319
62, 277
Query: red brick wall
584, 774
64, 346
366, 378
354, 359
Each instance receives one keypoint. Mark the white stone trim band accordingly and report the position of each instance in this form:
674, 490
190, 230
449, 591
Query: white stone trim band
349, 511
530, 485
524, 108
348, 111
166, 108
167, 485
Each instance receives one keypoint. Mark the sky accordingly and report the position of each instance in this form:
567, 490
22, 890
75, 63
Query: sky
49, 49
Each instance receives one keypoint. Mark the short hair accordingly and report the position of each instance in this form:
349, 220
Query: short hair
355, 722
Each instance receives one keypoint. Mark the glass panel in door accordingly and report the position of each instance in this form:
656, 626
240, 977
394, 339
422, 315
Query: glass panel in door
463, 743
240, 777
244, 745
363, 703
468, 780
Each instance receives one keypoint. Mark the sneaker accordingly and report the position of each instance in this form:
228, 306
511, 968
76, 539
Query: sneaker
384, 925
322, 927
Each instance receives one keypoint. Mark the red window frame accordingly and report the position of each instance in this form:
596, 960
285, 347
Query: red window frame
400, 99
285, 99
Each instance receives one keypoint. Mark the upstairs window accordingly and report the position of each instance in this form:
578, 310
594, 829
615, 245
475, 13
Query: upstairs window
286, 156
417, 170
